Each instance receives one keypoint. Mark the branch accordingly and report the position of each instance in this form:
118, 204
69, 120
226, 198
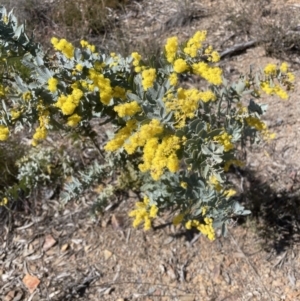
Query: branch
238, 48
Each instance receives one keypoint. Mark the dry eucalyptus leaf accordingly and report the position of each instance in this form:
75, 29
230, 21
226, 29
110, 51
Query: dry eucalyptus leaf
64, 247
104, 223
107, 254
117, 222
49, 242
171, 273
9, 296
31, 282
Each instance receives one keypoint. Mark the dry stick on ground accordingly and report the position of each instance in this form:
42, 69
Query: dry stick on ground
250, 264
238, 48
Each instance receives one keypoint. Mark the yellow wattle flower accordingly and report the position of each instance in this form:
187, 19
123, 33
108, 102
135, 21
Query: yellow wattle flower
4, 132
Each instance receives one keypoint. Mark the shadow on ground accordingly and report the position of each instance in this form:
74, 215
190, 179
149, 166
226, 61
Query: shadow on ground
276, 215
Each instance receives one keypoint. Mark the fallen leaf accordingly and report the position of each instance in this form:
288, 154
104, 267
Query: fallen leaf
31, 282
72, 257
104, 223
117, 221
87, 248
49, 242
107, 254
10, 295
171, 273
216, 273
64, 247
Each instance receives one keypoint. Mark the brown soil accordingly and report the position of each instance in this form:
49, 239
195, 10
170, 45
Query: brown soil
106, 259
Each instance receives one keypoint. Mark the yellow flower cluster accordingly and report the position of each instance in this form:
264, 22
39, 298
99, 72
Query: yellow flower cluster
143, 213
85, 44
213, 56
15, 114
79, 67
225, 140
178, 219
26, 96
41, 131
127, 109
186, 103
4, 132
184, 185
207, 96
73, 120
121, 136
52, 84
184, 106
195, 43
69, 103
280, 92
212, 74
260, 126
98, 66
115, 58
5, 19
204, 210
64, 46
149, 76
173, 78
271, 70
171, 48
205, 228
233, 162
2, 91
180, 66
284, 67
256, 123
119, 92
145, 132
286, 79
136, 58
241, 110
40, 134
229, 193
4, 202
242, 114
213, 181
290, 77
265, 86
103, 84
158, 156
